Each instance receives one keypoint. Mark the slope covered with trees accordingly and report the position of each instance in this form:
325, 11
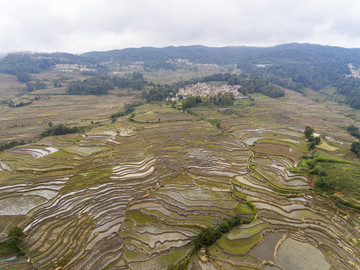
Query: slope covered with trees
293, 66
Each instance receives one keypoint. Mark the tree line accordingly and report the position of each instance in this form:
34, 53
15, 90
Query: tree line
101, 85
355, 146
312, 140
221, 99
159, 92
209, 235
128, 108
13, 240
10, 144
350, 88
59, 129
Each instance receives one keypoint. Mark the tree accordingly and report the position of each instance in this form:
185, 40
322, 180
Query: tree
30, 87
59, 129
234, 221
57, 83
224, 227
311, 146
355, 147
354, 131
23, 77
205, 237
13, 238
309, 131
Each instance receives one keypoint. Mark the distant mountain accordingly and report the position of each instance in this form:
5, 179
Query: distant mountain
294, 66
291, 53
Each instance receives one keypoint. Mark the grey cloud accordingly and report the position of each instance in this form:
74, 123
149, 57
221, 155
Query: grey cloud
83, 25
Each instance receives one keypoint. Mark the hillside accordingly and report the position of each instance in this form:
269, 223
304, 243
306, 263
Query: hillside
135, 193
294, 66
197, 166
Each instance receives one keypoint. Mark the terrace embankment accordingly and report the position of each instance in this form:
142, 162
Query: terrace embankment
133, 194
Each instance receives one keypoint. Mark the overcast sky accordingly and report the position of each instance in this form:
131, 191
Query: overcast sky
85, 25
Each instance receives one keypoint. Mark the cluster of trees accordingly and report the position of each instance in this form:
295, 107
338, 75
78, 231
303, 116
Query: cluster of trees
208, 236
101, 85
221, 99
92, 86
158, 92
134, 80
17, 64
355, 146
353, 131
35, 86
128, 108
21, 104
10, 144
12, 242
350, 89
59, 129
312, 140
23, 77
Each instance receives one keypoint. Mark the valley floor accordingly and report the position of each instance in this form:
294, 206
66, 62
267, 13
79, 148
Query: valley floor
133, 194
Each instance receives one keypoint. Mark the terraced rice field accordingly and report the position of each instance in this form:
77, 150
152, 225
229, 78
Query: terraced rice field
133, 195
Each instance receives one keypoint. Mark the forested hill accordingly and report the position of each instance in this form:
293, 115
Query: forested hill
286, 53
243, 57
294, 66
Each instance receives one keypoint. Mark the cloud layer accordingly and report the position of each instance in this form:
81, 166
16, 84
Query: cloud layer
86, 25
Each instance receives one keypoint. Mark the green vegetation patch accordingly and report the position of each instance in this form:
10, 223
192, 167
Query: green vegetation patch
198, 220
239, 246
162, 262
88, 178
243, 209
12, 243
134, 256
85, 150
139, 217
6, 251
247, 231
337, 177
180, 178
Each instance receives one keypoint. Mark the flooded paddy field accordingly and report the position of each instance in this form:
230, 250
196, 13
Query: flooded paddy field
134, 194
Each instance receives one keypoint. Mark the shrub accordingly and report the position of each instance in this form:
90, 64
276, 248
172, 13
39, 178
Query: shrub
60, 129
